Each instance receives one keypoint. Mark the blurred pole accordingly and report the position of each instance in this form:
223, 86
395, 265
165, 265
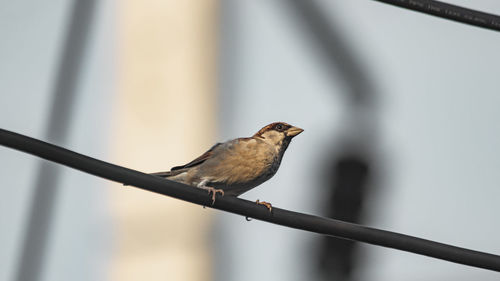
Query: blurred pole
348, 178
229, 60
349, 173
37, 230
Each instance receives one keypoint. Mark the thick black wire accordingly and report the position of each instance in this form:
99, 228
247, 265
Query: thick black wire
247, 208
449, 11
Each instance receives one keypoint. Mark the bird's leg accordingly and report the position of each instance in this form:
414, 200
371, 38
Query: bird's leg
268, 205
212, 190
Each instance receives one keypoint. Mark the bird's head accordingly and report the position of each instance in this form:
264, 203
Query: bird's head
278, 133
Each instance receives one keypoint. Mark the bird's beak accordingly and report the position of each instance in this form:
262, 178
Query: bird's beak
293, 131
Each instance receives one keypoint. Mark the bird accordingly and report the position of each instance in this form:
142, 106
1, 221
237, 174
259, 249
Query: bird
236, 166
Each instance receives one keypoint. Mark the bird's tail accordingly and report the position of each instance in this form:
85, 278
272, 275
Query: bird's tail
178, 176
162, 174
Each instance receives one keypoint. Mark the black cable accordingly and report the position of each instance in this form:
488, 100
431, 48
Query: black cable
247, 208
449, 11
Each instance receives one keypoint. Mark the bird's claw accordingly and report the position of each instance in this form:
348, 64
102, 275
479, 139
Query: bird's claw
268, 205
214, 192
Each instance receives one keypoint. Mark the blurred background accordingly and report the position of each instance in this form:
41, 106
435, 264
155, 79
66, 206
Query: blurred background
401, 120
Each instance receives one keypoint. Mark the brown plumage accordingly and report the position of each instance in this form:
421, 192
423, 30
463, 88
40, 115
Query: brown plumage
236, 166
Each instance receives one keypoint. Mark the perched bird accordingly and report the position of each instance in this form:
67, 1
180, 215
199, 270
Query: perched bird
236, 166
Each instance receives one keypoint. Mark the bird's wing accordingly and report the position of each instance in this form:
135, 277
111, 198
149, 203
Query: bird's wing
202, 158
180, 169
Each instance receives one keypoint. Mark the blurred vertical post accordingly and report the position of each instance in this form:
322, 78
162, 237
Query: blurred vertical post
44, 199
350, 173
165, 115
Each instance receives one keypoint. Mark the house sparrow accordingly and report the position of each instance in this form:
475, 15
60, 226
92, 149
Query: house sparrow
236, 166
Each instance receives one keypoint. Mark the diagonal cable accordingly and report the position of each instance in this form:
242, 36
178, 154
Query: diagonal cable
247, 208
449, 11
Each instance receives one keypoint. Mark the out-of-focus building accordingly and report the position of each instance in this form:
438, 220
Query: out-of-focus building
165, 114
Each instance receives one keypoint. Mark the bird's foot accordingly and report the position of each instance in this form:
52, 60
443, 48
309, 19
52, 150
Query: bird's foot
268, 205
214, 192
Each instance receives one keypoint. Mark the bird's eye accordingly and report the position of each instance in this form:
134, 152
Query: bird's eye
279, 127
